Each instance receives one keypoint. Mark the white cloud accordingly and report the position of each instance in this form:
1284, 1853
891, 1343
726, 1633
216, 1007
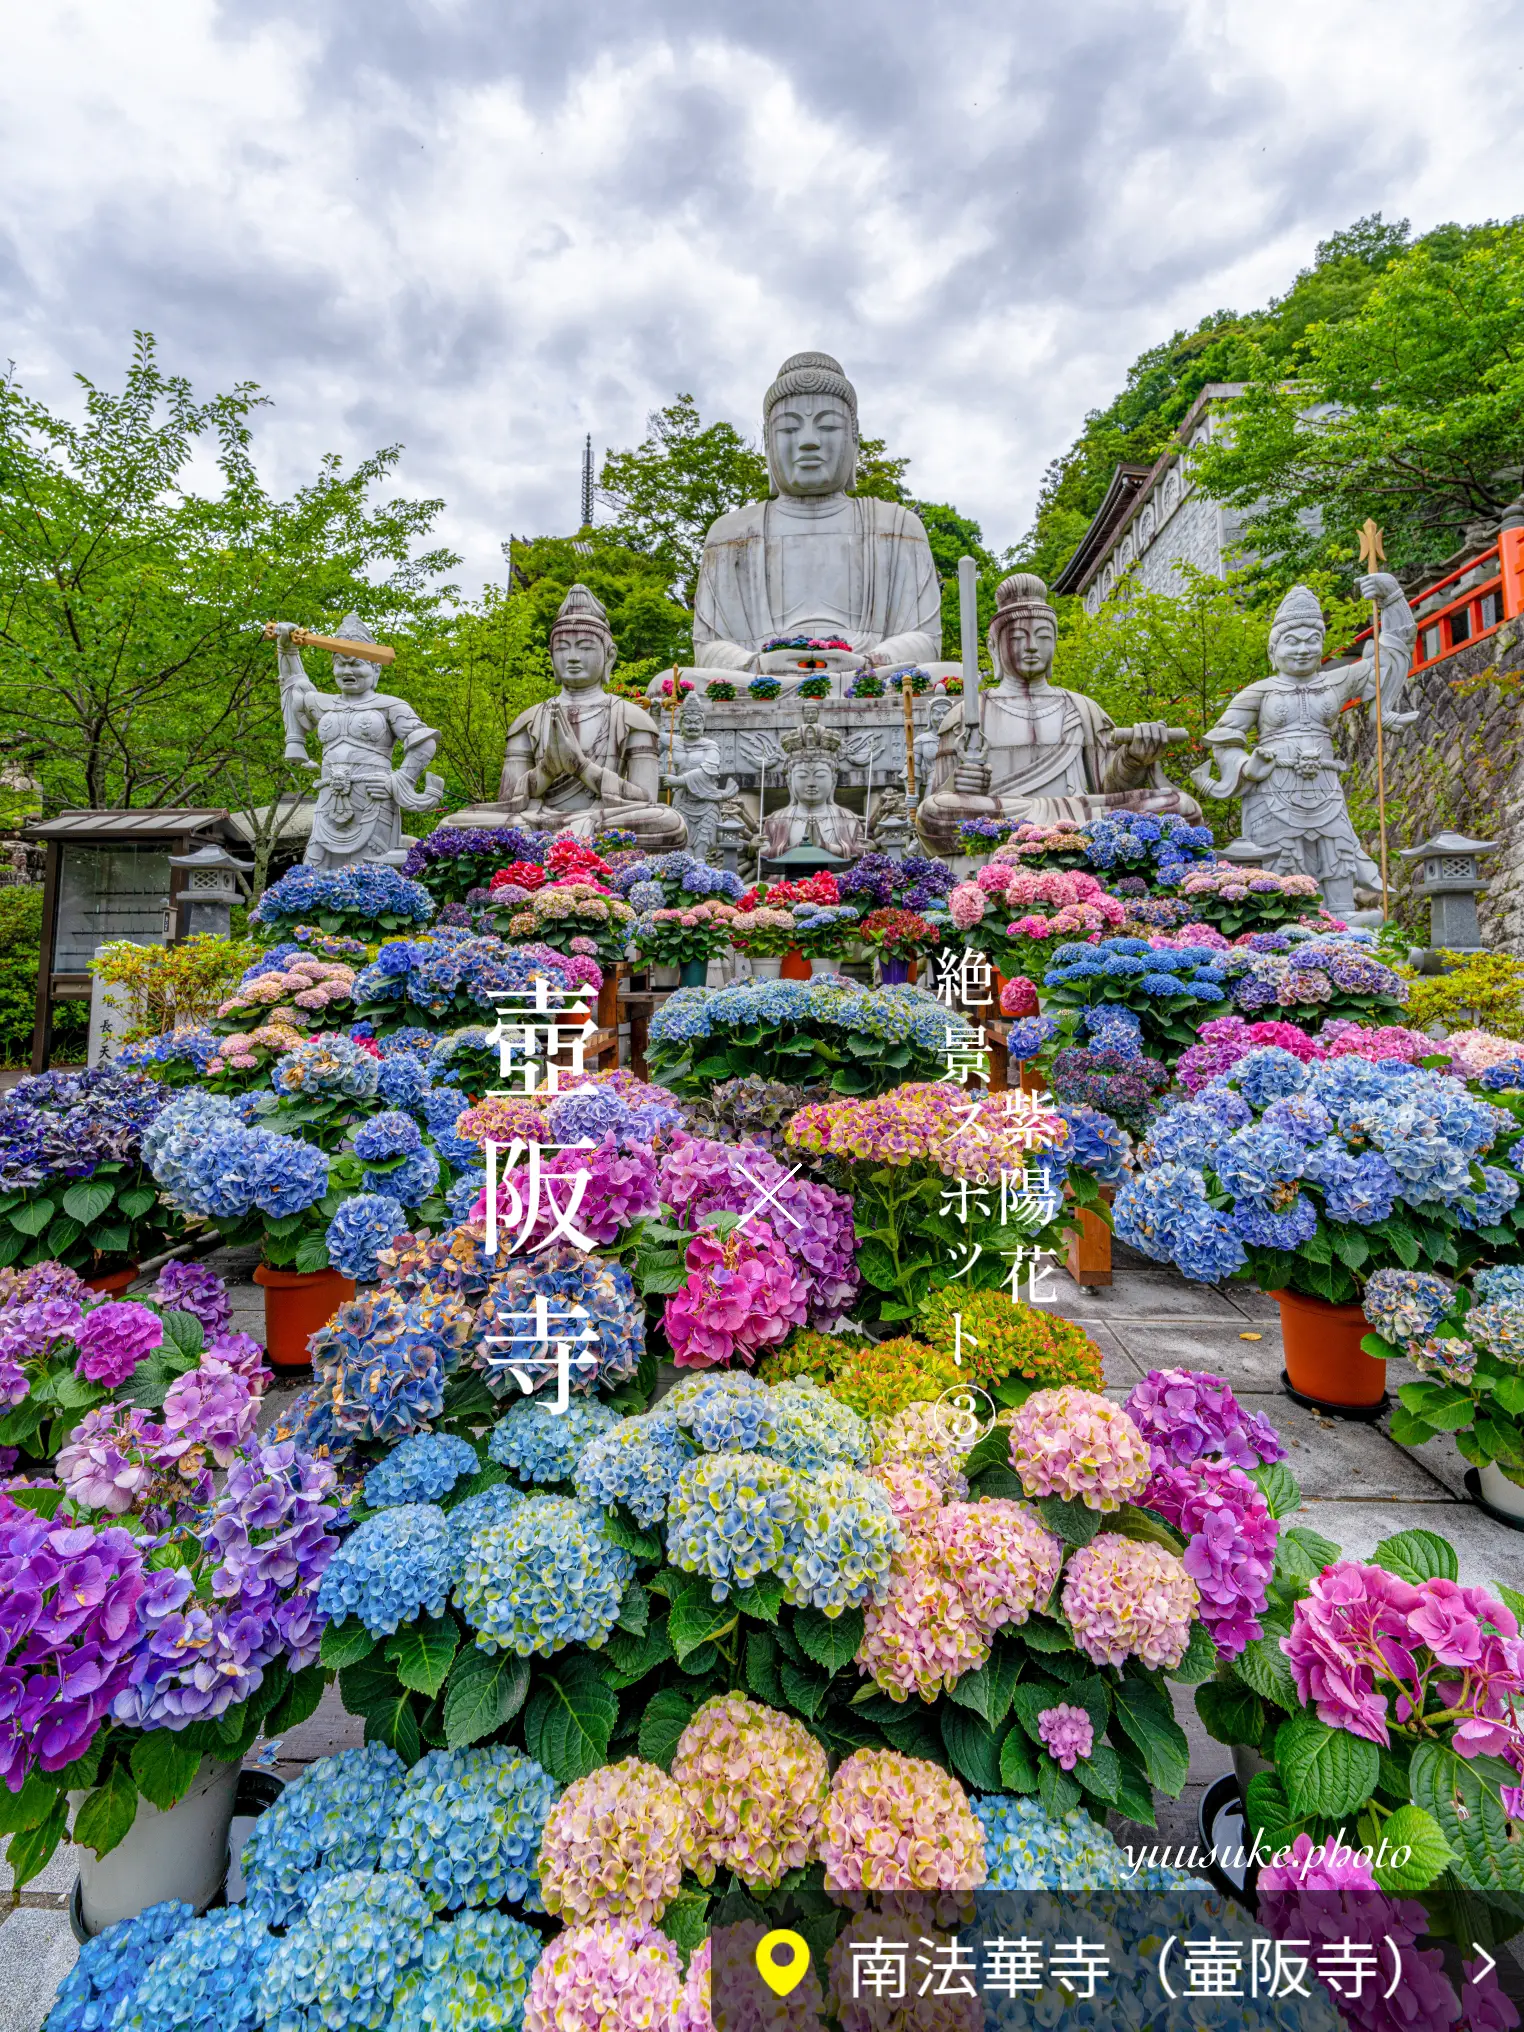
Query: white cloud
484, 231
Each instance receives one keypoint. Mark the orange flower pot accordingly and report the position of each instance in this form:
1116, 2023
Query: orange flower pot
1325, 1362
297, 1303
795, 966
112, 1283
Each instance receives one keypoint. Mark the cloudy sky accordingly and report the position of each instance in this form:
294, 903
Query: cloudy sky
481, 230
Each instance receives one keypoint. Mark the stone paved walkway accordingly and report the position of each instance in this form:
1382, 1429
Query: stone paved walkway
1358, 1486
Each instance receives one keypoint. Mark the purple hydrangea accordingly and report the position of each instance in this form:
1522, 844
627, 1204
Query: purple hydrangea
1188, 1414
114, 1339
1230, 1549
193, 1288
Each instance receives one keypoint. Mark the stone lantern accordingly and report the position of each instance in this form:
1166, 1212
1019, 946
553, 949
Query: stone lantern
213, 885
1445, 871
1246, 854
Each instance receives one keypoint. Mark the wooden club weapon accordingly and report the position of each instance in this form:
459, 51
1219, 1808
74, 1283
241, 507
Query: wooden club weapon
1373, 556
303, 638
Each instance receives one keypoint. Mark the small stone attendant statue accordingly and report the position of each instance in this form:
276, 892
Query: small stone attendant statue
693, 777
585, 760
1048, 754
360, 796
1292, 800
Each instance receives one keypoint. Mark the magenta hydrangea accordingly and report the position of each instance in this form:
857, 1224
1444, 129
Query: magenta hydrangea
1079, 1445
113, 1339
1067, 1734
1189, 1414
620, 1189
741, 1295
1125, 1598
1231, 1540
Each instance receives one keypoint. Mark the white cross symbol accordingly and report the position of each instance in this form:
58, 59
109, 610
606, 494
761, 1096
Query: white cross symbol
769, 1195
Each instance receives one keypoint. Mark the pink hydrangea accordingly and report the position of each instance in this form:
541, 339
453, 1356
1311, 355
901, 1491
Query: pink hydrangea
918, 1437
114, 1339
1473, 1051
213, 1408
238, 1354
1390, 1040
748, 2007
898, 1823
615, 1975
1018, 997
1227, 1039
1067, 1734
924, 1636
855, 2007
966, 905
613, 1845
620, 1189
999, 1555
1125, 1598
107, 1462
911, 1492
742, 1294
754, 1784
1077, 1444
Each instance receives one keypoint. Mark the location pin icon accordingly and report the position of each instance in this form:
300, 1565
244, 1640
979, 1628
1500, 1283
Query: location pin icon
782, 1959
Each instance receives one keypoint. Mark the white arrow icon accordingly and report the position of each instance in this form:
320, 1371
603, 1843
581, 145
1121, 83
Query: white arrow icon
1481, 1974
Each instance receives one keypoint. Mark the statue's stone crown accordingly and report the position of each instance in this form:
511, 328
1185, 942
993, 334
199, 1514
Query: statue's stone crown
1022, 590
353, 629
799, 743
582, 609
1300, 608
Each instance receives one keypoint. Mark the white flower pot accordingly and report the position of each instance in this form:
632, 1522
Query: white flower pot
766, 969
824, 963
664, 977
179, 1854
1501, 1493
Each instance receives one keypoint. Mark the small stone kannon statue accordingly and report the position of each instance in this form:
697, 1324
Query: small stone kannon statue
693, 777
812, 817
360, 796
585, 760
1292, 799
1047, 754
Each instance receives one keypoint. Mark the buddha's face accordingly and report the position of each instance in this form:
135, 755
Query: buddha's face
811, 781
354, 676
1297, 648
1023, 645
581, 658
811, 444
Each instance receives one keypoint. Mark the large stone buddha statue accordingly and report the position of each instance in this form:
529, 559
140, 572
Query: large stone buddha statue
815, 560
1047, 754
585, 759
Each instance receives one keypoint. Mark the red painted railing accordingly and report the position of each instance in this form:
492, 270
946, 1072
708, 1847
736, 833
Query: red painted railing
1471, 603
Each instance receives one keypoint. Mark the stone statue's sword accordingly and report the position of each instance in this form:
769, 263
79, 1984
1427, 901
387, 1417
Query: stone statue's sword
968, 629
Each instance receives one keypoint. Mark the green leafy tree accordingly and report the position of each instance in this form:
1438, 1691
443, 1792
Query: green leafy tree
634, 586
130, 657
1417, 415
667, 491
477, 670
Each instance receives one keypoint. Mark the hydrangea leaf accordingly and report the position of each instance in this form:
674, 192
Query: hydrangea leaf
832, 1641
569, 1717
29, 1807
136, 1200
304, 1691
634, 1610
1302, 1553
1278, 1486
1100, 1774
109, 1811
1147, 1718
802, 1690
88, 1200
1417, 1556
1142, 1525
1230, 1712
1018, 1764
1412, 1828
164, 1767
991, 1451
1058, 1791
1264, 1666
667, 1714
1462, 1797
423, 1652
31, 1848
184, 1333
696, 1618
973, 1746
1135, 1799
630, 1658
373, 1690
685, 1921
1326, 1772
346, 1643
762, 1599
1200, 1660
988, 1691
1075, 1523
32, 1218
482, 1695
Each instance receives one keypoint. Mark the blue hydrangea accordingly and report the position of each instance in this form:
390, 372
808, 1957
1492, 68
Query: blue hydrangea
1098, 1144
462, 1195
543, 1445
421, 1470
112, 1966
494, 1505
1501, 1285
384, 1136
1164, 1214
896, 1015
1265, 1227
729, 1518
371, 892
636, 1464
193, 1044
442, 1108
1188, 1134
329, 1819
1485, 1209
545, 1578
343, 1963
468, 1827
396, 1566
839, 1548
369, 1222
813, 1430
1300, 1116
331, 1067
731, 1412
207, 1979
412, 1181
1029, 1035
565, 1278
1111, 1027
474, 1977
1028, 1849
211, 1164
382, 1361
1255, 1161
286, 1175
1267, 1073
1498, 1079
1364, 1193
